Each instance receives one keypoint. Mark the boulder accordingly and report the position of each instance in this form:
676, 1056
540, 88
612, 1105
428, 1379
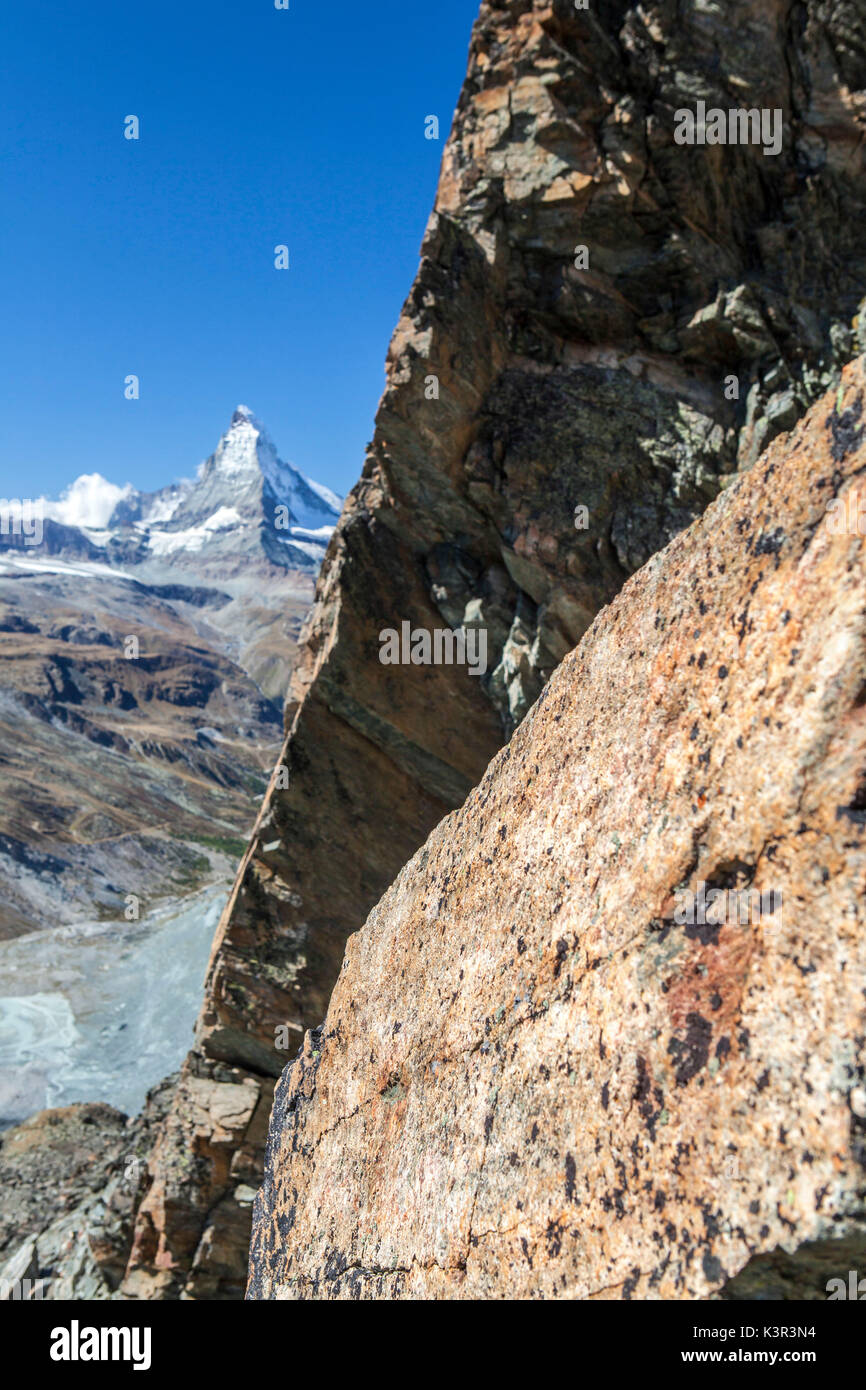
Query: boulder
605, 1035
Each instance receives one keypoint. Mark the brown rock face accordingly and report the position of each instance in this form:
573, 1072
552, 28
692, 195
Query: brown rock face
589, 290
206, 1162
545, 1070
558, 388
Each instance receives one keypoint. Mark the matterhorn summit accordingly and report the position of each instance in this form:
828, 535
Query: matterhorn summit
237, 547
248, 502
246, 510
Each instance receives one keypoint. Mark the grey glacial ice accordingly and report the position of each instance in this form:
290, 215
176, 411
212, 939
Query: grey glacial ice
97, 1011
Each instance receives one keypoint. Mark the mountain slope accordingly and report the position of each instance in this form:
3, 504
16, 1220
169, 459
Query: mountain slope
588, 289
246, 505
147, 641
181, 724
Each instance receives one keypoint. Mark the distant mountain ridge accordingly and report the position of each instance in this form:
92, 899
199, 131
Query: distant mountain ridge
245, 506
212, 577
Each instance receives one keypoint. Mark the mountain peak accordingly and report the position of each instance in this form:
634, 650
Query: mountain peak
246, 448
244, 501
245, 476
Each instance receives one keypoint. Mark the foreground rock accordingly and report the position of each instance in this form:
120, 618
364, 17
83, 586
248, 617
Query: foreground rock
545, 429
535, 1078
201, 1180
70, 1183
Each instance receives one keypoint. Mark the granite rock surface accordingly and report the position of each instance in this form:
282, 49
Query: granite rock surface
546, 1070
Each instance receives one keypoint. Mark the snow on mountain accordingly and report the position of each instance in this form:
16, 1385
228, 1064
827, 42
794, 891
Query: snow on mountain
245, 507
192, 539
330, 499
162, 505
245, 503
309, 500
246, 470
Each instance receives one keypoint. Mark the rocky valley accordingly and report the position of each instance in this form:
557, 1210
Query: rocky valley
146, 646
143, 641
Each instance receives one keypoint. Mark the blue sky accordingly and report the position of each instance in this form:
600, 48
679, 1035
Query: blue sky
156, 257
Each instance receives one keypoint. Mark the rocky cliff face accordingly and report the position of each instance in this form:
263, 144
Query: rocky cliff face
605, 1035
606, 326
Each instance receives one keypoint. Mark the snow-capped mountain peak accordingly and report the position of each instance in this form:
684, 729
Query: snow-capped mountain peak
246, 507
246, 472
246, 447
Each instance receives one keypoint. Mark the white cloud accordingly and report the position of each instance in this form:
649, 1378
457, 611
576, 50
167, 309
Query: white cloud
88, 502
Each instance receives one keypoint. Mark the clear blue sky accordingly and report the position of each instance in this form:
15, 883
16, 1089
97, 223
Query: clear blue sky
258, 127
